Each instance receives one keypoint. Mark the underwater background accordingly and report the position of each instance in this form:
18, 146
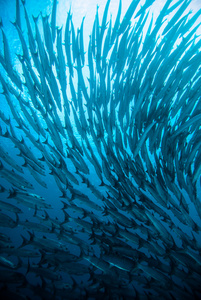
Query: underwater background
100, 156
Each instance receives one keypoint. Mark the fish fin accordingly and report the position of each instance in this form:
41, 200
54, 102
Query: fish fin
65, 205
28, 267
35, 211
17, 220
25, 241
102, 183
66, 217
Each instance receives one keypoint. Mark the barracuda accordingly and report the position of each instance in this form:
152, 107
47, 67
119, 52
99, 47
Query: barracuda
117, 126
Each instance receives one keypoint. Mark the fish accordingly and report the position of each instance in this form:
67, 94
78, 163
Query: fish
116, 24
127, 18
7, 221
53, 20
14, 178
48, 39
100, 154
68, 43
10, 207
9, 264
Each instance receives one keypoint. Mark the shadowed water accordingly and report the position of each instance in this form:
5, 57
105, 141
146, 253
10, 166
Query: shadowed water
100, 155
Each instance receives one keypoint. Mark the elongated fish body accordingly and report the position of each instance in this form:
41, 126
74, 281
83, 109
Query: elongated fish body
53, 20
100, 171
23, 42
48, 39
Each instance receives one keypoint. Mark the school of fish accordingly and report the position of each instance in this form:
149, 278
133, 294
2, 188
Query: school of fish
117, 128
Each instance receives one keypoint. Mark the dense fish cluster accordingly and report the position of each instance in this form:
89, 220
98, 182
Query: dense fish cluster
115, 129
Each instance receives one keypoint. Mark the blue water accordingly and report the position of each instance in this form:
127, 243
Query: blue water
102, 237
